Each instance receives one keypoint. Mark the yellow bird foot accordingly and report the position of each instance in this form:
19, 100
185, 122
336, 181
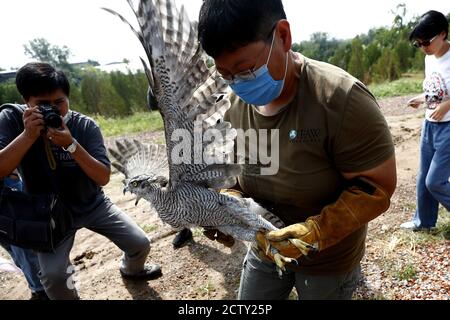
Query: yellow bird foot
306, 249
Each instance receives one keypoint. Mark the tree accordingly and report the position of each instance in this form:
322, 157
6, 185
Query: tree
296, 47
76, 98
342, 55
308, 49
90, 88
99, 95
387, 67
319, 47
372, 54
9, 93
404, 51
141, 86
418, 61
41, 50
356, 64
93, 63
129, 87
399, 16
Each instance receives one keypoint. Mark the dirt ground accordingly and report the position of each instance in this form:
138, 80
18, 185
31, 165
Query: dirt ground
398, 264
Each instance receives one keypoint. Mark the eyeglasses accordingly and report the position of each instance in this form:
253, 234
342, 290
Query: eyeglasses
246, 75
425, 43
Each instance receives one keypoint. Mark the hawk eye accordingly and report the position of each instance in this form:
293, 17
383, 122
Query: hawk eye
135, 184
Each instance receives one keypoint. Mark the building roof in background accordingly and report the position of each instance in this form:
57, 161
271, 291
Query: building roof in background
6, 75
110, 67
120, 66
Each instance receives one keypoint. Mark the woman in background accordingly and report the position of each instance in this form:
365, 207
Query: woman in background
433, 186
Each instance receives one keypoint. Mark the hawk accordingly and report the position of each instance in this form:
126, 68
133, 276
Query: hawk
191, 100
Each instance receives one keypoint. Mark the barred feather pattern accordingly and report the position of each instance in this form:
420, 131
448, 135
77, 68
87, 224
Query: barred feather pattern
185, 92
134, 158
197, 206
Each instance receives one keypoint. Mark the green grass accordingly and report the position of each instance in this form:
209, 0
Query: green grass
410, 207
152, 121
438, 234
408, 272
149, 228
410, 84
197, 232
206, 290
161, 140
138, 122
443, 225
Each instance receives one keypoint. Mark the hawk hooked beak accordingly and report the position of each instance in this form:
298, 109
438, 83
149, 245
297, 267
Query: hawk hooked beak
137, 200
127, 189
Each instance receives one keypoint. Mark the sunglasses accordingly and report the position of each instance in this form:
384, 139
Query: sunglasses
425, 43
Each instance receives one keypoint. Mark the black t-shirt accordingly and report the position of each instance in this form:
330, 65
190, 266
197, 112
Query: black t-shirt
77, 190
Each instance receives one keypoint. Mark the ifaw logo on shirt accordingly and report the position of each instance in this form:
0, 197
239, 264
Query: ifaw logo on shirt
305, 136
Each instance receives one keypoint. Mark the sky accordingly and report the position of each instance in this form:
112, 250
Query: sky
91, 33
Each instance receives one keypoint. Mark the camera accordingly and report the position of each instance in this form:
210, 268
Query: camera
52, 117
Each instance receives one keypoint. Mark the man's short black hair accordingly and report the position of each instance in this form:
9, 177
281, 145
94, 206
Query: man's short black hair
430, 25
226, 25
38, 78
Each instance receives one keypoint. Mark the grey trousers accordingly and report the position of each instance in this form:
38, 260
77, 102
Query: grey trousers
260, 281
108, 220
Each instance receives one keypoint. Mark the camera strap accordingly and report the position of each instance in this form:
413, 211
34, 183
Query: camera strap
50, 156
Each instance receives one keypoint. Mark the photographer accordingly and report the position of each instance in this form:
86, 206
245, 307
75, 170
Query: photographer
77, 165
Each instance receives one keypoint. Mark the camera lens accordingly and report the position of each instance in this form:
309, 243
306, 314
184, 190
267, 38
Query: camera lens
51, 115
53, 120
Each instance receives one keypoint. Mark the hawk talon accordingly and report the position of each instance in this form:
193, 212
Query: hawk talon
305, 248
281, 262
268, 249
294, 261
280, 273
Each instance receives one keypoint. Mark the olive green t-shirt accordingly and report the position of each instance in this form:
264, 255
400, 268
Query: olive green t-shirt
333, 126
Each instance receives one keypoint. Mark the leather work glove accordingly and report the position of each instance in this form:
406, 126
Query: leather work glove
292, 242
359, 204
216, 235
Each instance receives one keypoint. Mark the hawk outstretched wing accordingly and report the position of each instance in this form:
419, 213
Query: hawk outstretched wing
190, 99
134, 158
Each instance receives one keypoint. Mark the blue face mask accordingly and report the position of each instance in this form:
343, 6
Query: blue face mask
262, 89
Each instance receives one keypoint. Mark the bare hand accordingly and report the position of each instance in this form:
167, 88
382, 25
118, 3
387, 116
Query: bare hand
415, 103
440, 112
33, 122
60, 137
